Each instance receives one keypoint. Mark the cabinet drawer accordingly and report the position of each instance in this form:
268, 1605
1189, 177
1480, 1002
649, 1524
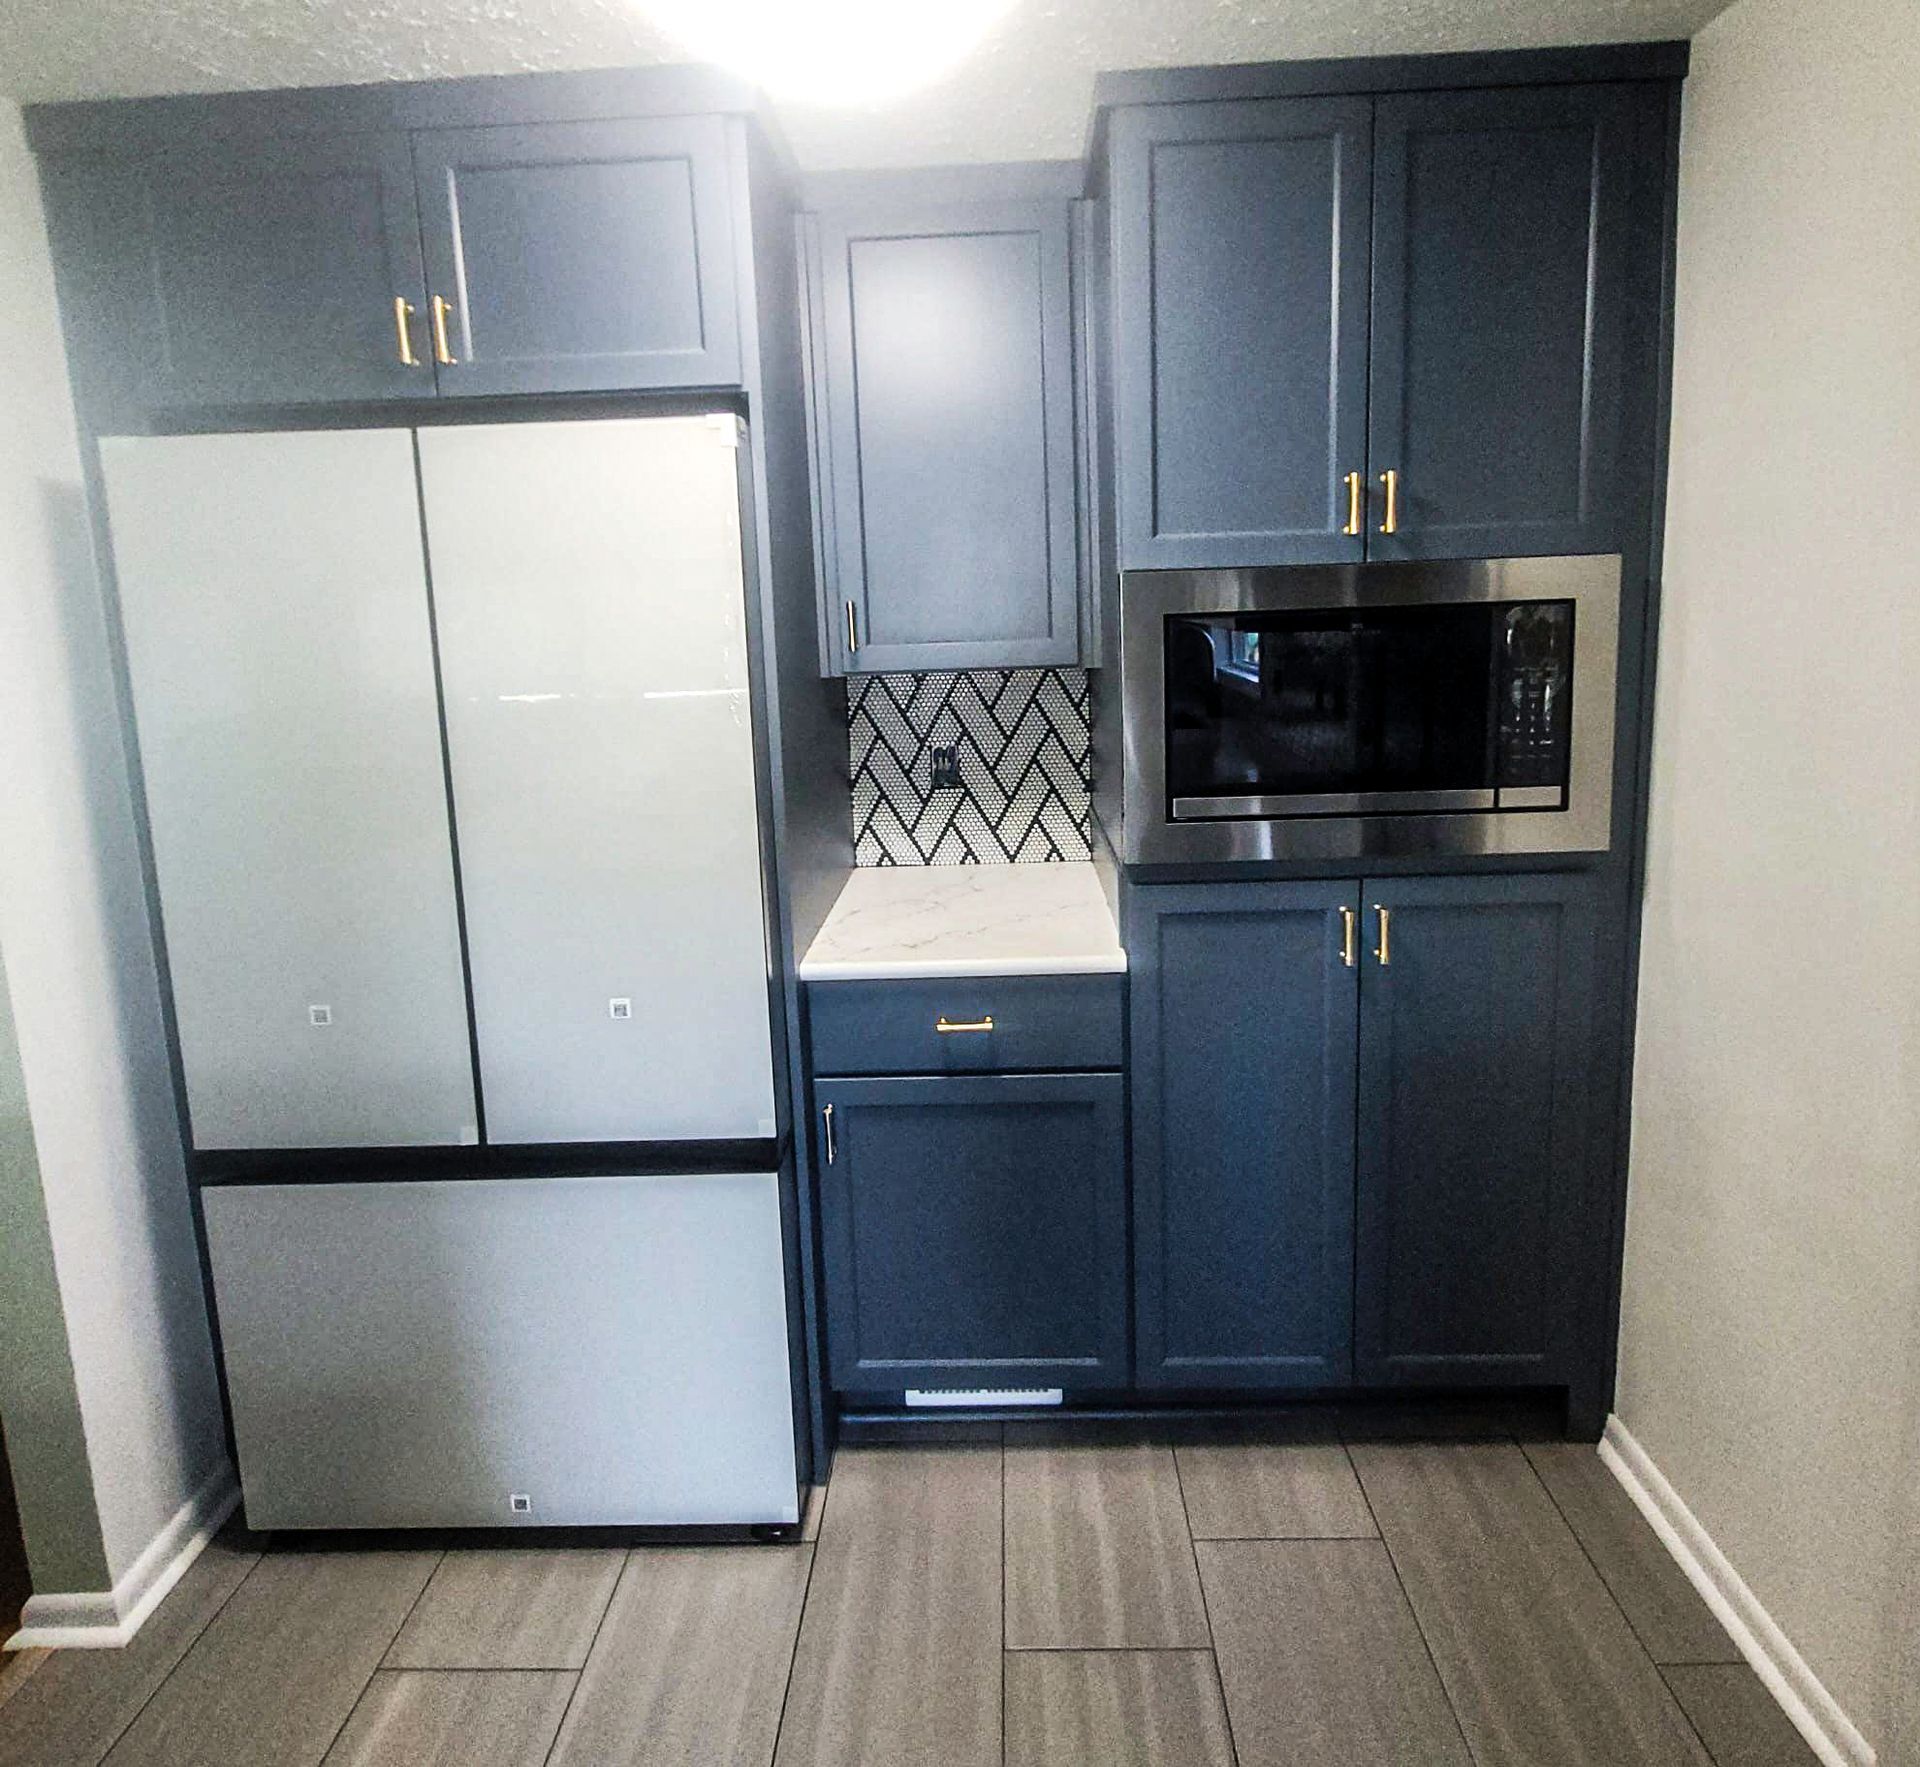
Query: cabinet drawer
892, 1027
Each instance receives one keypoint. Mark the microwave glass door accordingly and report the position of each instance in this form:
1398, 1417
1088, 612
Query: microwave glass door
1449, 706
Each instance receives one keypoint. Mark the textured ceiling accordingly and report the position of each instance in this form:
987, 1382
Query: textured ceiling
1023, 94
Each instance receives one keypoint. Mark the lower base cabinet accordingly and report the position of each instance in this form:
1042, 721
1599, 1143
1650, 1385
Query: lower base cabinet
1360, 1114
974, 1230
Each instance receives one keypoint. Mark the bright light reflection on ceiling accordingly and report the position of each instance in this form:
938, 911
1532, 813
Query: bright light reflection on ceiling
831, 51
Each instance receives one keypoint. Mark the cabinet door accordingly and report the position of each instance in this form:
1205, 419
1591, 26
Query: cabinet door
581, 257
948, 351
1475, 1040
274, 273
275, 605
1243, 1094
1499, 279
974, 1230
1240, 253
592, 619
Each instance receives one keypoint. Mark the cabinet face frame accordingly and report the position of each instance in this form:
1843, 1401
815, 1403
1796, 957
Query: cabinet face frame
1607, 113
1147, 432
838, 1167
845, 473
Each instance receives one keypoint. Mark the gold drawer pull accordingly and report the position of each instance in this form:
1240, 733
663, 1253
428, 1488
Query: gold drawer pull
442, 349
1355, 495
947, 1026
1349, 937
1384, 950
403, 325
1391, 522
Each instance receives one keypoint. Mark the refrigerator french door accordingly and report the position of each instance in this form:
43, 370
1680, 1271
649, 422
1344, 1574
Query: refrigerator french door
448, 749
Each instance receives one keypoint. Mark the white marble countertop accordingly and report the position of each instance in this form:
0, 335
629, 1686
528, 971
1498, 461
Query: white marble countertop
966, 920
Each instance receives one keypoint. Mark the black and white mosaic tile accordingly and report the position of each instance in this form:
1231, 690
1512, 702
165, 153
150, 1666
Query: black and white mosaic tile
1023, 742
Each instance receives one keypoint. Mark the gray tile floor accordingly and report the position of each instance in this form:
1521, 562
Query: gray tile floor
1031, 1597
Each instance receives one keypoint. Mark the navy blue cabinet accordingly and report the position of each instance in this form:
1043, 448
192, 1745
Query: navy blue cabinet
1244, 1004
945, 463
1476, 1056
580, 257
1240, 262
973, 1230
287, 273
1360, 1111
1499, 279
405, 264
1385, 327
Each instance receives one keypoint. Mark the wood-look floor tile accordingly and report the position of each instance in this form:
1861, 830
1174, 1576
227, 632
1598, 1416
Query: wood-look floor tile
1538, 1660
1238, 1486
271, 1681
810, 1516
1322, 1662
1664, 1609
453, 1718
898, 1663
77, 1702
691, 1664
1098, 1555
1739, 1721
1115, 1708
509, 1608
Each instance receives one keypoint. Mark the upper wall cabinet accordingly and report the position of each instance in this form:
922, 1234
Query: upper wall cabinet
1499, 278
579, 257
1240, 232
1371, 328
546, 258
271, 276
944, 434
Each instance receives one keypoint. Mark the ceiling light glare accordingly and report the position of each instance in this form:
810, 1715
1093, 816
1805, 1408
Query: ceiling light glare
831, 51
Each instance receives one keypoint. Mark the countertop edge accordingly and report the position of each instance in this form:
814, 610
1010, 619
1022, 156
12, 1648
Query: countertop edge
937, 969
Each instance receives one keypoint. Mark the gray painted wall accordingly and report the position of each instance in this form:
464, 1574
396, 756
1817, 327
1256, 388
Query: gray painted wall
1770, 1342
46, 1441
80, 954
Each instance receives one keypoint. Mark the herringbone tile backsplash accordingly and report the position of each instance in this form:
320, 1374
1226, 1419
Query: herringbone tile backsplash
1023, 742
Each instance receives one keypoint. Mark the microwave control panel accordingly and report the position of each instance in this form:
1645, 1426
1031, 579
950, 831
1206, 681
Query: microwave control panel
1535, 679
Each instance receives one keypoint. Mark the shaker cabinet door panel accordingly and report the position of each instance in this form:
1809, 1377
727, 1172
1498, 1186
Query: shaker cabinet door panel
592, 623
947, 347
1475, 1069
1243, 1099
974, 1230
274, 600
581, 257
1499, 280
1240, 253
274, 274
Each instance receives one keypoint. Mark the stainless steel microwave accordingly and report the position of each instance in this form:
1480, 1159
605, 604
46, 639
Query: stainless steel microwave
1374, 710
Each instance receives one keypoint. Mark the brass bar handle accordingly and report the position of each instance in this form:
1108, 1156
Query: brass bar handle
1390, 521
946, 1026
442, 350
853, 629
1356, 494
1349, 937
1384, 950
826, 1120
403, 327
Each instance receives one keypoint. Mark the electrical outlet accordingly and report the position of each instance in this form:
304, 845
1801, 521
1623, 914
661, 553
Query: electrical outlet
319, 1015
946, 768
520, 1503
619, 1009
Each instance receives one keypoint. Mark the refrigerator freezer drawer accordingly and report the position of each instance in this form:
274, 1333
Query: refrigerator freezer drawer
508, 1352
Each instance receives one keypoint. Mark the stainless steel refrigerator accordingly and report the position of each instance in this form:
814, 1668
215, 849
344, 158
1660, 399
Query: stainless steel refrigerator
447, 739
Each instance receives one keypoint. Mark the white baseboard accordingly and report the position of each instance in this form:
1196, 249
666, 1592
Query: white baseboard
1816, 1714
107, 1619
